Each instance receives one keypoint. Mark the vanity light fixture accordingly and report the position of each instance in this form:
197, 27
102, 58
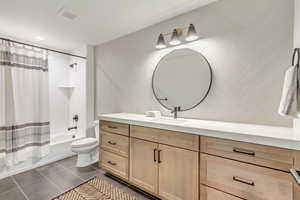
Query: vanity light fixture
175, 38
161, 43
191, 35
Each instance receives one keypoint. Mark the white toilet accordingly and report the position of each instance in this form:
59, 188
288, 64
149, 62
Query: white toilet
87, 149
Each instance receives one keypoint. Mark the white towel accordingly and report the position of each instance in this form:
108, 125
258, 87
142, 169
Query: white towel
289, 104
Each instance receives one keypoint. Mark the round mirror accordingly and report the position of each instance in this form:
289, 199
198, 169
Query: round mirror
182, 78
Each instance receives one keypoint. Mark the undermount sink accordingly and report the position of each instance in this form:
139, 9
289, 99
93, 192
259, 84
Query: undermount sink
169, 120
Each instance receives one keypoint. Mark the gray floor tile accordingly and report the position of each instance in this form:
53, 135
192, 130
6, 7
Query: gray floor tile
68, 162
61, 177
41, 190
48, 181
85, 172
28, 178
7, 184
13, 194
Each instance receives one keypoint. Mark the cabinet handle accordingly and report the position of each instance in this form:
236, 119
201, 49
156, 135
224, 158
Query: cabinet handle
112, 127
112, 163
154, 153
112, 143
242, 180
159, 160
243, 151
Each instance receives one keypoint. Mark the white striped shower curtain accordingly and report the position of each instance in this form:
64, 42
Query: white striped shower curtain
24, 103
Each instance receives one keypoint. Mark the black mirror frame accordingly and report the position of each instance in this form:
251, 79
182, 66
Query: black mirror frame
204, 97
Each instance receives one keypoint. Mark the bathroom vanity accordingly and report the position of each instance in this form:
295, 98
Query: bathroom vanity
193, 159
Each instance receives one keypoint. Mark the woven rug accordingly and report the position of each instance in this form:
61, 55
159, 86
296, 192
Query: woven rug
95, 189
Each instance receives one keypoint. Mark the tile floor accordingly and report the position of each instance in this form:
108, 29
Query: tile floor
48, 181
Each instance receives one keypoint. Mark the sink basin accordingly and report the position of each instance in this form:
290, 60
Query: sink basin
169, 120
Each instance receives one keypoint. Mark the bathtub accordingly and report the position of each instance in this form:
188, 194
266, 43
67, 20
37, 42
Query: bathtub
65, 137
60, 148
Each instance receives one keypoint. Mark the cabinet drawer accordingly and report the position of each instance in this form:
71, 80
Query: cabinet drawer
178, 139
267, 156
115, 143
115, 164
245, 180
207, 193
114, 127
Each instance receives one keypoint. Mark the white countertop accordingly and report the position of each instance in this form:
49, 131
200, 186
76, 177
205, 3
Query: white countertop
266, 135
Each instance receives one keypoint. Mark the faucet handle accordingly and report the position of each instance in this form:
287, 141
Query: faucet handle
176, 109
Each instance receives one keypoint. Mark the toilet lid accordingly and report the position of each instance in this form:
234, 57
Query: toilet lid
84, 142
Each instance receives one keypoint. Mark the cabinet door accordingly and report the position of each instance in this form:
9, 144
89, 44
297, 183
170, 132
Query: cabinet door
143, 165
178, 173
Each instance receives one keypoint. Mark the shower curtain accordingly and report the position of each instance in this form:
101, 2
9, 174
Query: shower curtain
24, 103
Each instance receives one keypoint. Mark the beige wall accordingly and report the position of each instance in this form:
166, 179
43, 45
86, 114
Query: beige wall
247, 42
297, 24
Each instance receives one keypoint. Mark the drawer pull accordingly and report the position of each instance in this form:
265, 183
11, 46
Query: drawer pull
154, 152
159, 160
112, 127
112, 143
243, 151
242, 180
112, 163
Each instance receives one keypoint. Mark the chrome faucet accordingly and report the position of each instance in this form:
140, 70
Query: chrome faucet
175, 111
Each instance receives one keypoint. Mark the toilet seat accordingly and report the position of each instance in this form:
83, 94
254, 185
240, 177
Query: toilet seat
85, 142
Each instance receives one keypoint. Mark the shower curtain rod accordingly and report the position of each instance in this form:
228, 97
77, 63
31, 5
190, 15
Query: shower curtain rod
47, 49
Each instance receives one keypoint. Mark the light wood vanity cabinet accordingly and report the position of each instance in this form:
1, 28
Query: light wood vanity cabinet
179, 166
115, 143
172, 138
245, 180
169, 172
143, 165
115, 127
208, 193
114, 148
178, 173
277, 158
115, 164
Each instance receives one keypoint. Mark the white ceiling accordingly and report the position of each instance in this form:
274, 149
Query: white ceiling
98, 21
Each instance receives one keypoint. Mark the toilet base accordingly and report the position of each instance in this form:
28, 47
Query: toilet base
86, 159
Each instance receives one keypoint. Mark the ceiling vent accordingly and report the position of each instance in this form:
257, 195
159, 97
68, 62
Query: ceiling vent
67, 14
